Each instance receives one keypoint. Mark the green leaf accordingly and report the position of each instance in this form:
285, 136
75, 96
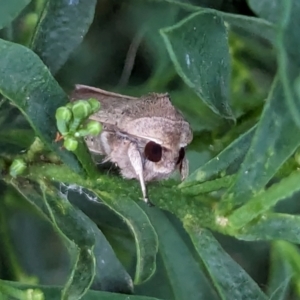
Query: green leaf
61, 29
10, 10
209, 186
30, 86
141, 228
184, 274
265, 200
54, 292
266, 153
271, 226
250, 25
203, 66
290, 254
231, 281
85, 241
72, 225
234, 152
110, 274
280, 272
285, 14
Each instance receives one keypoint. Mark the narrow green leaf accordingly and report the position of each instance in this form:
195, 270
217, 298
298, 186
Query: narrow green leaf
231, 281
266, 153
290, 253
185, 275
28, 84
272, 226
209, 186
10, 10
54, 292
62, 27
280, 272
85, 239
265, 200
203, 66
235, 151
142, 230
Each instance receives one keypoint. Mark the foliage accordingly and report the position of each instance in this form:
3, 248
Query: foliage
71, 229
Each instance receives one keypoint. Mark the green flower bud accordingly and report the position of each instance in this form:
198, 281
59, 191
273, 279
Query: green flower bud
70, 144
17, 167
81, 109
74, 125
69, 105
34, 294
63, 116
95, 104
93, 127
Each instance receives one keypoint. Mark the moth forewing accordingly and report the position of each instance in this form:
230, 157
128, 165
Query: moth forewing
112, 104
144, 136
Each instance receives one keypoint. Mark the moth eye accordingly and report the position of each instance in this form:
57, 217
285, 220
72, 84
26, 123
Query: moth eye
181, 156
153, 151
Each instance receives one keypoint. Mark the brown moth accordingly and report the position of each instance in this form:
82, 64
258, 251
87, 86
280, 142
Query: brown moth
145, 137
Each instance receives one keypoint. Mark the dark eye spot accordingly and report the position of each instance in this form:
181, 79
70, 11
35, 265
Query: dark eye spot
181, 156
153, 151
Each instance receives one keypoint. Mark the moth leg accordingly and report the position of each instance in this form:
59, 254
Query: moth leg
184, 168
137, 164
105, 143
94, 144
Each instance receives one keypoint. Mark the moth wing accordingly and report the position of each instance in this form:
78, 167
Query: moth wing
136, 116
113, 105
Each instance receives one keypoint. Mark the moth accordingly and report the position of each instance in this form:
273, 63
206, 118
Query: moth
145, 137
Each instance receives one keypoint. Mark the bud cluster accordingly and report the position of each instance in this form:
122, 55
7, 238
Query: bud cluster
72, 121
